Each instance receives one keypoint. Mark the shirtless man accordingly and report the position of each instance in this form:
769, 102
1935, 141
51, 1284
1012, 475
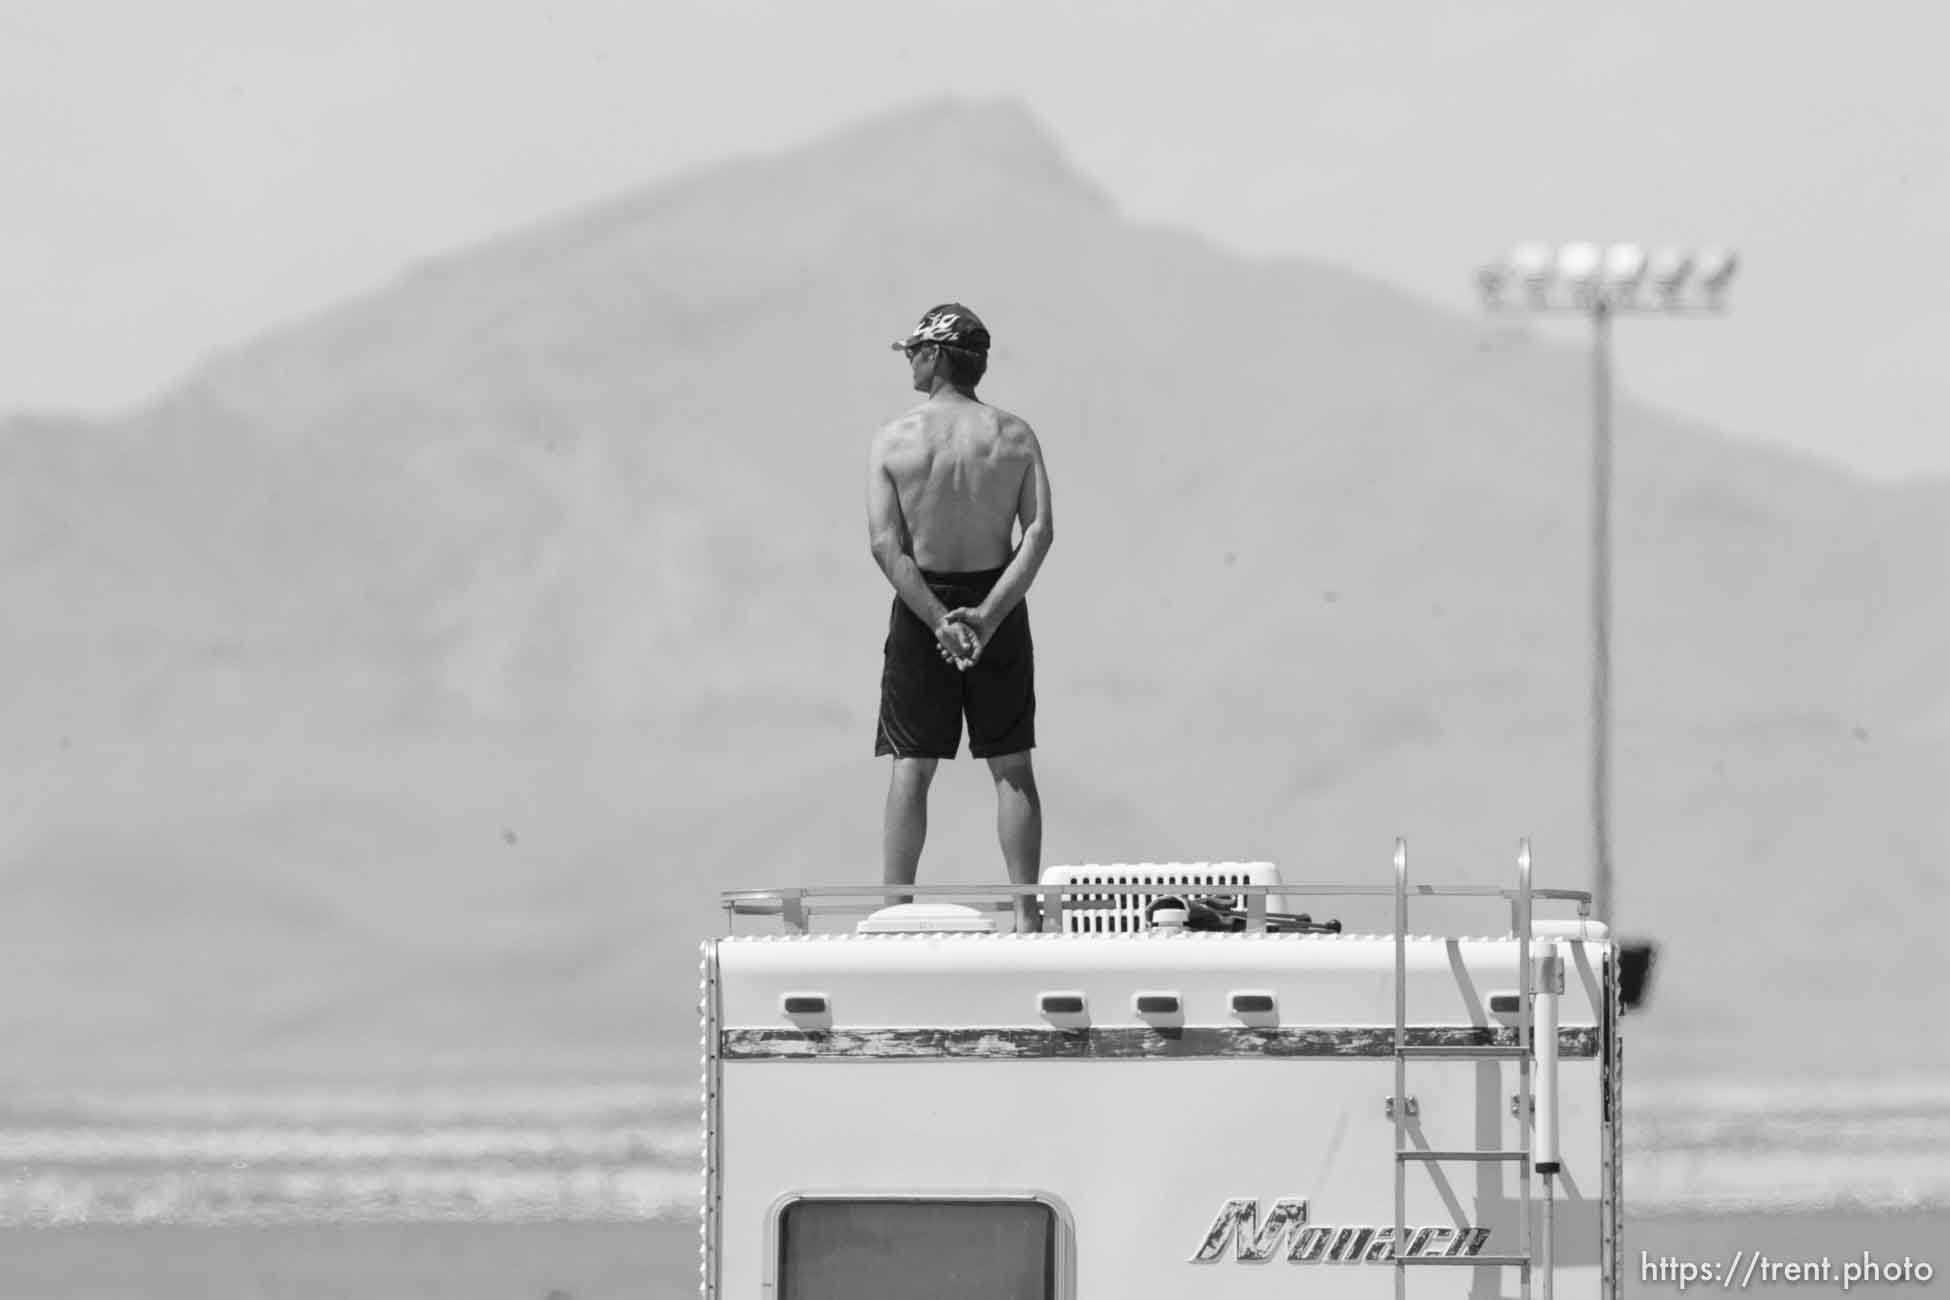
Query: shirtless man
946, 484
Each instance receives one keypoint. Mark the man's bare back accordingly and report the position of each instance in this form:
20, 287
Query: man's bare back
959, 468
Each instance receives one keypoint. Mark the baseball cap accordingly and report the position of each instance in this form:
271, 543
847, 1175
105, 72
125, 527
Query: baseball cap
951, 325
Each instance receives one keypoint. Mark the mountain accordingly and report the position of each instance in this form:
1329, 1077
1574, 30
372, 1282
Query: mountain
394, 693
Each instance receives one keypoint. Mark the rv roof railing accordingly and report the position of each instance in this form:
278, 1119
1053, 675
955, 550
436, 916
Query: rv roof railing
797, 905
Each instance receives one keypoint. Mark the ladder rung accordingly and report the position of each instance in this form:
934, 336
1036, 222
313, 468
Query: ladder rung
1462, 1155
1490, 1261
1483, 1053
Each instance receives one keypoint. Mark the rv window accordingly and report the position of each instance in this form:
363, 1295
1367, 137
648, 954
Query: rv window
917, 1250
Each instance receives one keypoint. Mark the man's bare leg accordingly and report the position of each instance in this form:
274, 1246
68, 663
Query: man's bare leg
905, 829
1019, 825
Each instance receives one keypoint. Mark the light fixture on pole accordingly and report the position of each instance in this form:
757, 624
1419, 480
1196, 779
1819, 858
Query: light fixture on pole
1602, 282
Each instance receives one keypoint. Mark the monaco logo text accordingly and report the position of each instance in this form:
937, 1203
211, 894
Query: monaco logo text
1287, 1231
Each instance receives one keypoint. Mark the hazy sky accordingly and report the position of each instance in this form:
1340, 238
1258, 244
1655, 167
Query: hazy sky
182, 176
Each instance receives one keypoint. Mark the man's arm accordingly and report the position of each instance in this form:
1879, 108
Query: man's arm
1038, 531
892, 543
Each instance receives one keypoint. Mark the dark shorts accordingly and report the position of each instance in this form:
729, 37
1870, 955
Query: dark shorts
923, 696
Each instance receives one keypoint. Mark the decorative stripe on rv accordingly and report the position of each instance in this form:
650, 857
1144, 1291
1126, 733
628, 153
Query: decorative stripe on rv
1119, 1043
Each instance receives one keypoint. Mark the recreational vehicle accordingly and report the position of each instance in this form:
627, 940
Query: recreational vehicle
1178, 1086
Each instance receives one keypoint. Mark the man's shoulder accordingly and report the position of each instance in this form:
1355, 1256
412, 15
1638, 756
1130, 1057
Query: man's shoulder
1012, 427
902, 427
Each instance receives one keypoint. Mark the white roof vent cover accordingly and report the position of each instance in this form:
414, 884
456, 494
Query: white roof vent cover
926, 918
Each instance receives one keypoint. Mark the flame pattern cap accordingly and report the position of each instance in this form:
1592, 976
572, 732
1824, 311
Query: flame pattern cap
950, 325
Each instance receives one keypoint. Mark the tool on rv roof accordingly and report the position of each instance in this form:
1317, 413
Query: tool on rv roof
1218, 912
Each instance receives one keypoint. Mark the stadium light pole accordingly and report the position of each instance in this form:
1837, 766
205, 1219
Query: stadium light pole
1603, 282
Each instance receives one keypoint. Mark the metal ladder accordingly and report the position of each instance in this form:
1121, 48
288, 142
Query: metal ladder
1522, 1053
